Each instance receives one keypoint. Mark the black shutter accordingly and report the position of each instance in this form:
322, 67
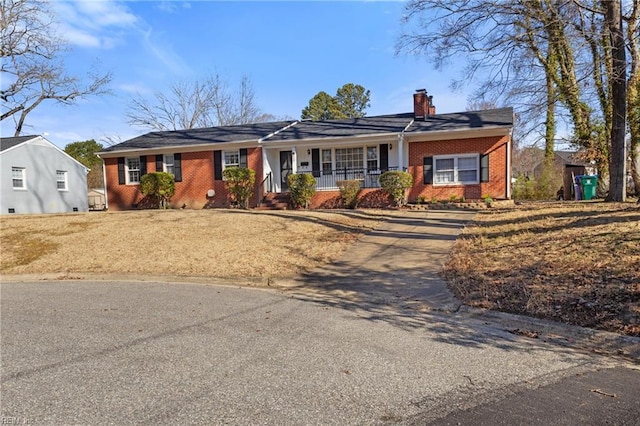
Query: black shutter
428, 170
217, 165
121, 176
384, 157
484, 168
143, 165
159, 161
243, 158
315, 162
177, 167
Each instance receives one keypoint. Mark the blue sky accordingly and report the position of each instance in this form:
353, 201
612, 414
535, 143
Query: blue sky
289, 50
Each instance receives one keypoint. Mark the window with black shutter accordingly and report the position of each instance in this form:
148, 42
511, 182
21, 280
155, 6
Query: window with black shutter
177, 167
243, 158
484, 168
217, 165
315, 162
121, 172
143, 165
384, 157
159, 161
428, 170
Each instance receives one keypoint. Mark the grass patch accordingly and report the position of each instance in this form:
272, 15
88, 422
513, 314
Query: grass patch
23, 249
204, 243
573, 262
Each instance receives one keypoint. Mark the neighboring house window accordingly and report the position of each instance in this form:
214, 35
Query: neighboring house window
372, 158
169, 163
61, 180
231, 159
349, 158
19, 180
133, 170
456, 170
327, 166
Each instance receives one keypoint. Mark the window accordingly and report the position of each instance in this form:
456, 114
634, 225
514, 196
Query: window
372, 158
169, 163
349, 158
327, 166
456, 170
133, 170
231, 159
61, 180
18, 175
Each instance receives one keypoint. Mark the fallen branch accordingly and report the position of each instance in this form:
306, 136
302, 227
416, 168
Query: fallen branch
598, 391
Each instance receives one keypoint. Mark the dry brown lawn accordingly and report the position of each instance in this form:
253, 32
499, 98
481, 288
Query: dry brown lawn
573, 262
258, 245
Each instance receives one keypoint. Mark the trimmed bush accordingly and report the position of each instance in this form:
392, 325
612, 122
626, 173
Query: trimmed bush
239, 181
159, 187
302, 186
396, 184
349, 190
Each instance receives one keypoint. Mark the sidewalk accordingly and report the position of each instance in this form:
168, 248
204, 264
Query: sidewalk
393, 274
396, 265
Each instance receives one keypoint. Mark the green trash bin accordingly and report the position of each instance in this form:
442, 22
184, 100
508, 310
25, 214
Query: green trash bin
588, 184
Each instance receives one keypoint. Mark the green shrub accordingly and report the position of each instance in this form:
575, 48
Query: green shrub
421, 200
453, 198
487, 200
239, 181
396, 184
349, 190
302, 186
159, 187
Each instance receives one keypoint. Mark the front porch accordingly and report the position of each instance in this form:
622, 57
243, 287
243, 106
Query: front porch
327, 180
329, 165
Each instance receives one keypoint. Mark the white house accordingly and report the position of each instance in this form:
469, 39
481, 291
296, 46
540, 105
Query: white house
38, 177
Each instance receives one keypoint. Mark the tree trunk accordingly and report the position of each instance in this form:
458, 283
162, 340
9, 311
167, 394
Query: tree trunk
633, 96
617, 166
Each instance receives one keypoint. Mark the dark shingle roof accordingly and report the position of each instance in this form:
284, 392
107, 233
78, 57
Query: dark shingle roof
501, 117
6, 143
571, 158
301, 130
344, 128
209, 135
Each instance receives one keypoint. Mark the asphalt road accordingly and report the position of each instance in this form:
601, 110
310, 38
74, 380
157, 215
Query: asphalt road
78, 352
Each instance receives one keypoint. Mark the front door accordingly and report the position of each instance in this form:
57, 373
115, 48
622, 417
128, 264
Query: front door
286, 168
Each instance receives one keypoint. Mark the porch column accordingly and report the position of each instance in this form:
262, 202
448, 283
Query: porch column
294, 160
400, 147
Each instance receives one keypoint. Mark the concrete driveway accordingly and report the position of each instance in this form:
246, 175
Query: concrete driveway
373, 339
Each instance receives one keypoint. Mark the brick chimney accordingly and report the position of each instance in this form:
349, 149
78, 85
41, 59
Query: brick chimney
423, 105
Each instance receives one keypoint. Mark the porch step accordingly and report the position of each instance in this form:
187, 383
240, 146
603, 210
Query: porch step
275, 201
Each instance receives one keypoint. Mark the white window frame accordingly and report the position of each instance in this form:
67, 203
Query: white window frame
456, 180
225, 163
22, 178
168, 163
326, 165
376, 159
62, 178
129, 170
347, 155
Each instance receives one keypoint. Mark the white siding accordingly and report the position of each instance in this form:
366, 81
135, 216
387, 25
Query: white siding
41, 160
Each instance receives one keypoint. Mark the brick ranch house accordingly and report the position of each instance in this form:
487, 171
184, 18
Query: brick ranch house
466, 154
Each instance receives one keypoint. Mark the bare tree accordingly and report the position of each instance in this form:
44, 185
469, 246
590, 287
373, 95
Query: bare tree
31, 63
615, 36
633, 91
194, 104
559, 54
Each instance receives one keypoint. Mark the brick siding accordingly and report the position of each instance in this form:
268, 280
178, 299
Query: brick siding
496, 147
198, 178
191, 192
